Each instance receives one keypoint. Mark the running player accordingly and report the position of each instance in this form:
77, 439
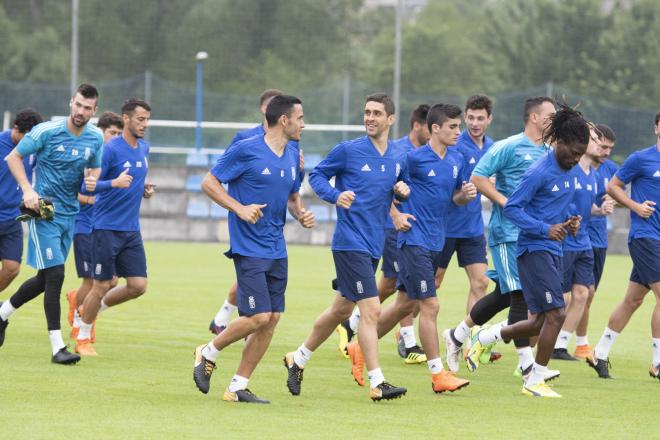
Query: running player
642, 170
64, 148
367, 173
11, 231
539, 206
262, 173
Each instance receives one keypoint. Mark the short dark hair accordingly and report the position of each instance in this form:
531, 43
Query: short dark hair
88, 91
567, 125
279, 106
109, 118
383, 99
26, 119
657, 118
531, 104
268, 94
439, 113
419, 114
479, 102
605, 131
131, 104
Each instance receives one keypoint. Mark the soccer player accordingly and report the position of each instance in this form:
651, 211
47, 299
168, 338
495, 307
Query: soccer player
117, 247
11, 231
111, 124
578, 259
367, 173
262, 173
642, 170
539, 206
437, 175
64, 149
507, 160
407, 348
597, 229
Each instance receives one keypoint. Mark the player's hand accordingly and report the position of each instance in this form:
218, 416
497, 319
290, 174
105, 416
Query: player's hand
123, 180
573, 224
402, 221
250, 213
469, 191
90, 181
607, 207
302, 161
31, 199
557, 232
345, 199
646, 209
306, 218
401, 189
149, 190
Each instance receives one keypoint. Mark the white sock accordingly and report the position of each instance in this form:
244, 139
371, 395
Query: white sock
490, 335
6, 310
56, 342
581, 340
210, 352
77, 319
435, 365
525, 357
224, 314
354, 320
503, 323
656, 352
537, 376
85, 331
605, 344
461, 332
103, 306
562, 339
408, 335
375, 377
238, 383
302, 356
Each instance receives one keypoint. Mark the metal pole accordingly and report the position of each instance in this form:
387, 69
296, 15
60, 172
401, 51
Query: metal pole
147, 95
397, 64
74, 45
345, 109
201, 56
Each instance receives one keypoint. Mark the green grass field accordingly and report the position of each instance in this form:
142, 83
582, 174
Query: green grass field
141, 386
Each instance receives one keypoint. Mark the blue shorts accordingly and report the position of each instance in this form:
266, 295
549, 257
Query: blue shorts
578, 268
390, 266
261, 284
541, 278
355, 275
418, 267
11, 240
599, 264
118, 253
49, 241
645, 254
470, 251
506, 265
82, 252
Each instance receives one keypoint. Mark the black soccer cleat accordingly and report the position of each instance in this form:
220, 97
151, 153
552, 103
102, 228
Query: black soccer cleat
295, 374
216, 329
562, 354
245, 395
386, 391
401, 348
350, 334
65, 357
654, 371
3, 328
202, 370
602, 366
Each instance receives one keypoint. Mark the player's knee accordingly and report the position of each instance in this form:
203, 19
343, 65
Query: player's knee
261, 319
370, 315
10, 270
580, 294
429, 308
137, 287
555, 317
480, 283
114, 281
54, 274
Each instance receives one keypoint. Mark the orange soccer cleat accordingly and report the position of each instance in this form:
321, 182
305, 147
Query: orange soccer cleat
357, 360
84, 348
446, 381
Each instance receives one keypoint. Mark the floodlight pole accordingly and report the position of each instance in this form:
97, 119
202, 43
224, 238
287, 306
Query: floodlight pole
74, 44
397, 65
200, 57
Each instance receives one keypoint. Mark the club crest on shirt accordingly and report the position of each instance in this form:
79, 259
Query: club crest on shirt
281, 173
293, 173
398, 169
88, 153
455, 171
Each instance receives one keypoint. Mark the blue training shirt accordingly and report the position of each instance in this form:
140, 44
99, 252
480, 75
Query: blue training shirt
405, 146
466, 221
256, 175
583, 199
359, 167
642, 170
597, 227
61, 160
118, 209
507, 160
432, 182
541, 200
10, 193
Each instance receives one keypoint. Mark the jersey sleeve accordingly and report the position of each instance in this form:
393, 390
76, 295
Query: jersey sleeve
630, 169
514, 209
231, 164
299, 174
33, 142
492, 161
104, 182
320, 177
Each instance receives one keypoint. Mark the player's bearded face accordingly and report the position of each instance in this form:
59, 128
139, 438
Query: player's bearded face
82, 109
376, 120
568, 155
295, 123
138, 122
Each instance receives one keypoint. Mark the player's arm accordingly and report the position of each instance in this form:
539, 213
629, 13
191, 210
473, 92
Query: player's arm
616, 188
486, 187
298, 211
606, 208
319, 178
401, 220
491, 162
216, 192
86, 199
17, 168
514, 208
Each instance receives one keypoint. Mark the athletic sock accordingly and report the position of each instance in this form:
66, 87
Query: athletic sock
490, 335
656, 352
56, 342
238, 383
6, 310
408, 335
605, 344
354, 320
537, 375
525, 357
461, 332
435, 365
210, 352
562, 339
375, 377
85, 331
224, 314
302, 356
581, 340
77, 319
104, 306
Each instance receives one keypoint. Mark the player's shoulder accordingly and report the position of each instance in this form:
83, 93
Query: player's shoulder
48, 128
94, 132
507, 144
5, 138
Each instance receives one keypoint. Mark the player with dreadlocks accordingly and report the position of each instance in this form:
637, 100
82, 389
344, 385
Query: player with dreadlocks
540, 208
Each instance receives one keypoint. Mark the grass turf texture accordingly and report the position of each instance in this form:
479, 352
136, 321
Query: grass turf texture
141, 384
